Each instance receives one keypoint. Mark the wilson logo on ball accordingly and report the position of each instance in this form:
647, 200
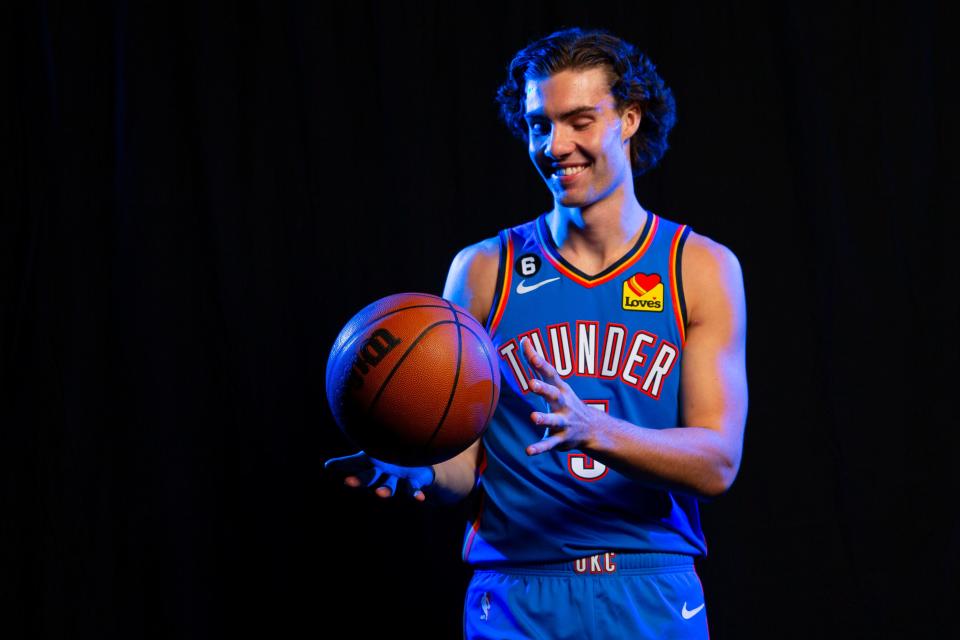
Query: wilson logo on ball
374, 349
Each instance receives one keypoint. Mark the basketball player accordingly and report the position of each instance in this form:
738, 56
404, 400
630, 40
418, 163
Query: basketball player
621, 337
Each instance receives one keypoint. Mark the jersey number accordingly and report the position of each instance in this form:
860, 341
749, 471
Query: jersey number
528, 265
581, 466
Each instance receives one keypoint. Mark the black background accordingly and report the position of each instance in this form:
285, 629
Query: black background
197, 196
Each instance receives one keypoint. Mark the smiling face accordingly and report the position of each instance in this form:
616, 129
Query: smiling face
574, 129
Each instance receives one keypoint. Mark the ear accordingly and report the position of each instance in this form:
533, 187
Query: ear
630, 122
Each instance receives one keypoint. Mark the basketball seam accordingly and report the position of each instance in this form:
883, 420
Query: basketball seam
346, 349
456, 377
493, 373
386, 381
347, 345
490, 358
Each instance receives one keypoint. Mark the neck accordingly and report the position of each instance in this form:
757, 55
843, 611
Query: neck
598, 233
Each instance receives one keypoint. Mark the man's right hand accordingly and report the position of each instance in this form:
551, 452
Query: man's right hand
361, 470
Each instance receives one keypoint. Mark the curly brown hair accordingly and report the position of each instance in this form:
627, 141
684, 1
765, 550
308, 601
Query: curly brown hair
633, 81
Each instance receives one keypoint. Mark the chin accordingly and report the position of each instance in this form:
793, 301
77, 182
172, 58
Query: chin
571, 201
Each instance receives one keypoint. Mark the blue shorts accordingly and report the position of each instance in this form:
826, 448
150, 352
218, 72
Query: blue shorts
608, 595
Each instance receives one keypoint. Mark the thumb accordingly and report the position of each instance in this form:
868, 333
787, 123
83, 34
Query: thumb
359, 461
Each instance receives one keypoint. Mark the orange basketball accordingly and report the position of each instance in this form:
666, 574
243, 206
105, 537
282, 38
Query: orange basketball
413, 379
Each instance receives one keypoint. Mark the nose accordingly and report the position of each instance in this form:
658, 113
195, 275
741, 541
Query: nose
559, 143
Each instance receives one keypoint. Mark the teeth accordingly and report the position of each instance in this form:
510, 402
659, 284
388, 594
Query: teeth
569, 171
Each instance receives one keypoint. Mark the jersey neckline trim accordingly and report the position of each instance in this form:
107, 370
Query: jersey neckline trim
552, 253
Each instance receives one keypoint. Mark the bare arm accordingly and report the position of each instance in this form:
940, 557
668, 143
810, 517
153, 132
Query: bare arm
701, 457
470, 284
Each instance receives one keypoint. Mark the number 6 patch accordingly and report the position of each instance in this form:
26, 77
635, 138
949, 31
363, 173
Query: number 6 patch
527, 265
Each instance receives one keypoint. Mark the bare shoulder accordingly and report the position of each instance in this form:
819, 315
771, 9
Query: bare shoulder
712, 278
472, 279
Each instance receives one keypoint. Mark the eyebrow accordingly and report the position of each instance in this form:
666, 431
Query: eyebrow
566, 114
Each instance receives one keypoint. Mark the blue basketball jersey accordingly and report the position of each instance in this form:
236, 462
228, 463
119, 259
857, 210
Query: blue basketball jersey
617, 339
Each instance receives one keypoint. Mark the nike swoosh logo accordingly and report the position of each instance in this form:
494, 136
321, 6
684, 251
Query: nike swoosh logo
523, 288
687, 614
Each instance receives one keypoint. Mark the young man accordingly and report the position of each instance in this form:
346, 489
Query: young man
621, 336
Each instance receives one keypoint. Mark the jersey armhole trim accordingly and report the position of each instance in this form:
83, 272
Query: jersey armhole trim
503, 282
676, 269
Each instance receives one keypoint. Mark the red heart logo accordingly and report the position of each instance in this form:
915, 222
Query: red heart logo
641, 283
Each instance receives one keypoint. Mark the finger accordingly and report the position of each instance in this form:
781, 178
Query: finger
526, 347
548, 419
546, 390
540, 364
416, 491
544, 445
388, 488
365, 478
